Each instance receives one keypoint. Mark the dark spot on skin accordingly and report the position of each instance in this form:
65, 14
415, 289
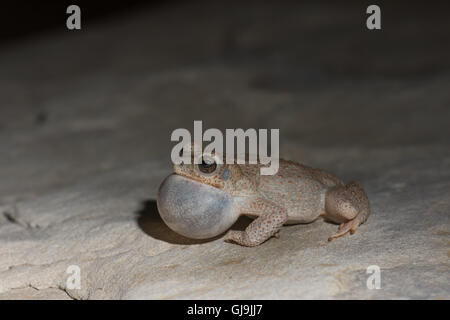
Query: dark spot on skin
226, 174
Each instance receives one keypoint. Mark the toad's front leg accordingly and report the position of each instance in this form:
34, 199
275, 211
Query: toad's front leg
263, 227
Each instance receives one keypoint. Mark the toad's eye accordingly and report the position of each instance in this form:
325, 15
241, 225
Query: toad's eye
207, 166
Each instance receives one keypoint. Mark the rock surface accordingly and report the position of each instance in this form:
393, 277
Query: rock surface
85, 124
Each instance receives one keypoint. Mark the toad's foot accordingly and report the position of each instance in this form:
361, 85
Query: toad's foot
344, 228
347, 205
262, 228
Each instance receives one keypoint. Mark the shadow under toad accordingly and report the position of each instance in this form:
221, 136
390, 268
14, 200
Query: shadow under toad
150, 222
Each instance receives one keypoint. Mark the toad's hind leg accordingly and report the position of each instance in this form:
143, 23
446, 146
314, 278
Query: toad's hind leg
347, 205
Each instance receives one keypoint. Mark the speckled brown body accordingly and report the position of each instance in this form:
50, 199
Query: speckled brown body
295, 194
298, 188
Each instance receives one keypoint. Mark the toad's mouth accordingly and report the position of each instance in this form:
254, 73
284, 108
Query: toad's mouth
198, 180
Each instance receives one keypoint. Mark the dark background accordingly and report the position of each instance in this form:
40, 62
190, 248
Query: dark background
293, 52
21, 19
427, 22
